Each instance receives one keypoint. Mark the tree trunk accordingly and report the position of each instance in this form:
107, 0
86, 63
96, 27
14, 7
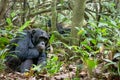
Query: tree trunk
54, 15
77, 19
24, 10
118, 6
3, 6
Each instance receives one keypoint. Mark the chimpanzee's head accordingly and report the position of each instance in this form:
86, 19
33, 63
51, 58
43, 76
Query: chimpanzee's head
39, 39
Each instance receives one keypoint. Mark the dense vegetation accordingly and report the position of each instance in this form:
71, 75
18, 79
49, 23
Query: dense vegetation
91, 51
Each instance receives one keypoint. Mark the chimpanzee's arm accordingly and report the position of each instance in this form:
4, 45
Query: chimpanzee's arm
42, 59
32, 53
25, 49
26, 53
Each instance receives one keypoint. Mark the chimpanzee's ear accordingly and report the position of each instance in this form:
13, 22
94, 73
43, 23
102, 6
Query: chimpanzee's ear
33, 31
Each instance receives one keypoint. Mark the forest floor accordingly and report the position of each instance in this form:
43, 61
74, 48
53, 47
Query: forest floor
67, 72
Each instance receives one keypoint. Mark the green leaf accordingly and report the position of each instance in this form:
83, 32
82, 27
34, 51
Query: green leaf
80, 32
55, 58
3, 53
26, 24
116, 55
109, 61
91, 63
67, 46
52, 38
88, 47
113, 23
13, 14
3, 40
94, 41
8, 20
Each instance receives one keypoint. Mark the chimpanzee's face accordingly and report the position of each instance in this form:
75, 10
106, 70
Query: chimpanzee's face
42, 42
40, 39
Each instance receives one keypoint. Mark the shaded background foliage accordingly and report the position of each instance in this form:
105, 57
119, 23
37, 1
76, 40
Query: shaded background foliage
96, 49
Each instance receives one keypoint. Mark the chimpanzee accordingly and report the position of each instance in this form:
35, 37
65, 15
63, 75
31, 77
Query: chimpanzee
59, 27
27, 49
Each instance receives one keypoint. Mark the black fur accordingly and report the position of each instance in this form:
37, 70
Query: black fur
59, 27
27, 49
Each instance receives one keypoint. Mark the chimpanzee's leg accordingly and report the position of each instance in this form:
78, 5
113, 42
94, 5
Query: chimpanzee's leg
12, 62
26, 65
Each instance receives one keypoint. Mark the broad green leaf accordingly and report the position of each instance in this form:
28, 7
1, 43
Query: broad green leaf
80, 32
109, 61
3, 40
55, 58
8, 20
52, 38
13, 14
26, 24
116, 55
94, 41
91, 63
